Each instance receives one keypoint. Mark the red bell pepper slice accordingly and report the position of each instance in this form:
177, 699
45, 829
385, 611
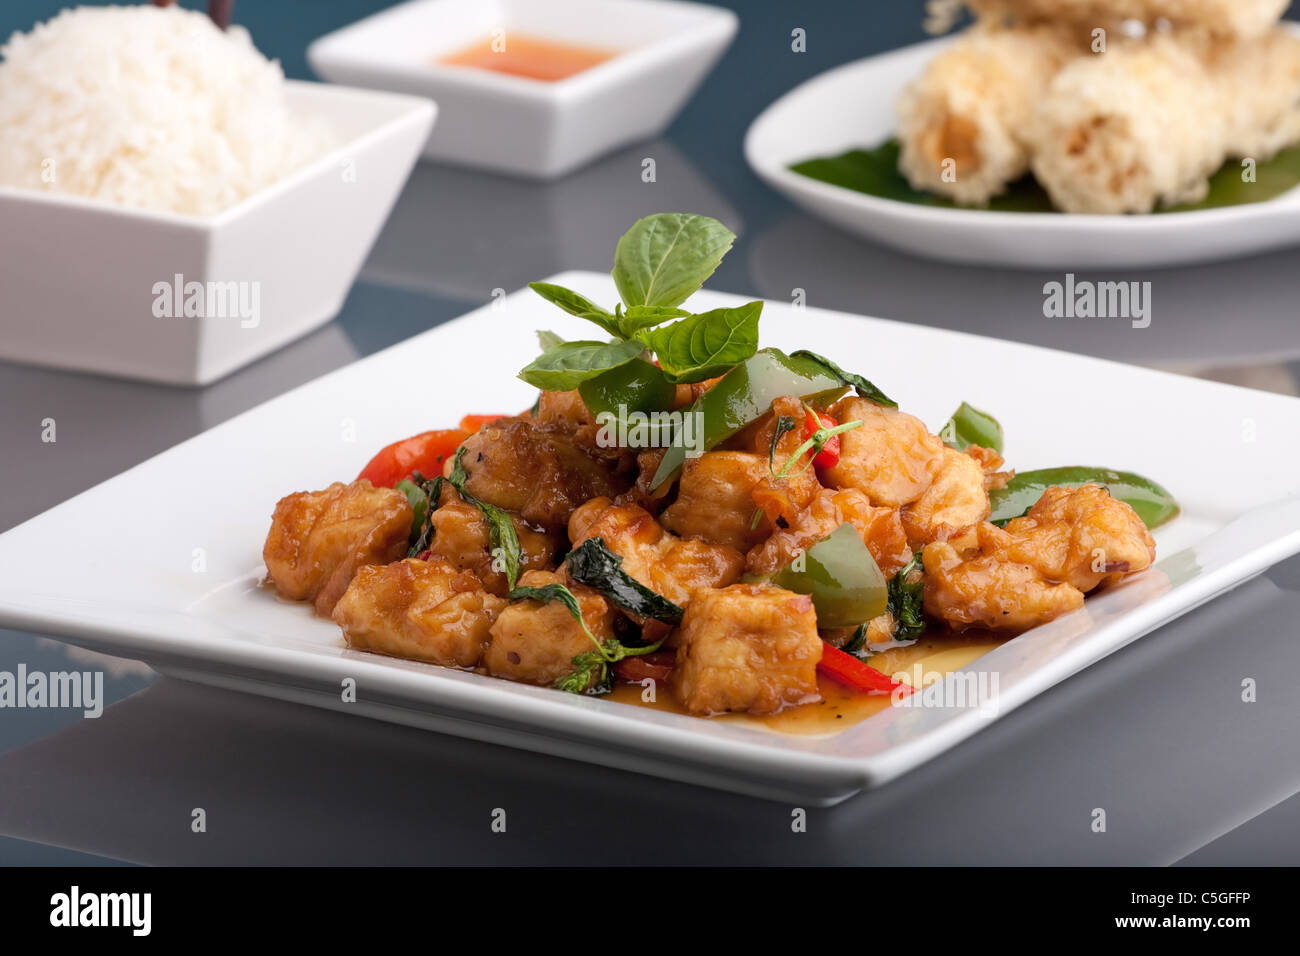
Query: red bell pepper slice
857, 674
657, 666
424, 453
472, 423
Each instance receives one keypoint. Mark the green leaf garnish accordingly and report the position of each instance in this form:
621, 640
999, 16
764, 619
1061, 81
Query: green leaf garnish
706, 345
906, 599
665, 258
502, 537
784, 424
548, 340
591, 662
864, 388
592, 563
640, 317
575, 303
969, 426
569, 364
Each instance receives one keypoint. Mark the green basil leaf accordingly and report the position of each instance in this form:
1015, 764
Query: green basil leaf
548, 340
640, 317
592, 563
665, 258
705, 345
502, 536
860, 385
577, 304
570, 364
906, 592
969, 426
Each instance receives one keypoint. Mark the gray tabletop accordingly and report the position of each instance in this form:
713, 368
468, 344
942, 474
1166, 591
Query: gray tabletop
1157, 734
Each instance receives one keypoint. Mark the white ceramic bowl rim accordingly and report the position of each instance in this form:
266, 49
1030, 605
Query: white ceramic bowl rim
203, 223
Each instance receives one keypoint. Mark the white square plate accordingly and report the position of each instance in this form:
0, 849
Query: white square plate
522, 126
114, 569
853, 106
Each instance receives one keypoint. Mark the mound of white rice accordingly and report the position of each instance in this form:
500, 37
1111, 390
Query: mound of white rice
147, 106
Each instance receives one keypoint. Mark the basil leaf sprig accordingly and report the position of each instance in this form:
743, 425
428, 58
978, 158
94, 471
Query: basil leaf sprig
594, 663
502, 537
658, 264
906, 601
593, 563
862, 386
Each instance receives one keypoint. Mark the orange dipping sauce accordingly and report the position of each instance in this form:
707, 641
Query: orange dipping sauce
532, 57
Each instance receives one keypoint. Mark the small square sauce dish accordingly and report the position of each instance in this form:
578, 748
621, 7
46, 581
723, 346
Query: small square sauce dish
533, 88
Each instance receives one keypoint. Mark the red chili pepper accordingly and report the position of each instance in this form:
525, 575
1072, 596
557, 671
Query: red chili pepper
424, 453
829, 456
857, 674
657, 666
472, 423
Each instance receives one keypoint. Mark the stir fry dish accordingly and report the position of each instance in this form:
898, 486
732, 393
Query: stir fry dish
683, 507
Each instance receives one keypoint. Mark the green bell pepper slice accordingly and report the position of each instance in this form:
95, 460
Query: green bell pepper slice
745, 394
842, 578
970, 426
1153, 504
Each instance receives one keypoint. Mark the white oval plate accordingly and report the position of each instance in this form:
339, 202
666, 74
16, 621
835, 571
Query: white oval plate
852, 106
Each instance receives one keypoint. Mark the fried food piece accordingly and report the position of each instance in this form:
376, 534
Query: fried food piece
539, 474
1071, 541
536, 643
563, 410
750, 647
962, 122
460, 535
955, 501
1243, 18
1082, 536
987, 589
715, 499
880, 527
671, 566
1261, 80
892, 457
318, 539
421, 610
781, 499
1139, 125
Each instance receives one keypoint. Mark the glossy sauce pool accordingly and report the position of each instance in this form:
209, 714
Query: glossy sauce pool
532, 57
840, 707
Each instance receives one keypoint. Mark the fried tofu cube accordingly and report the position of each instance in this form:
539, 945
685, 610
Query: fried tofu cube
989, 588
1082, 536
536, 643
460, 534
955, 501
318, 539
747, 647
421, 610
538, 473
671, 566
715, 500
881, 531
891, 457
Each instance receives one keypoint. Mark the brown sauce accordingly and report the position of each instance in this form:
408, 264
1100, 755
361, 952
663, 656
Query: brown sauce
932, 656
